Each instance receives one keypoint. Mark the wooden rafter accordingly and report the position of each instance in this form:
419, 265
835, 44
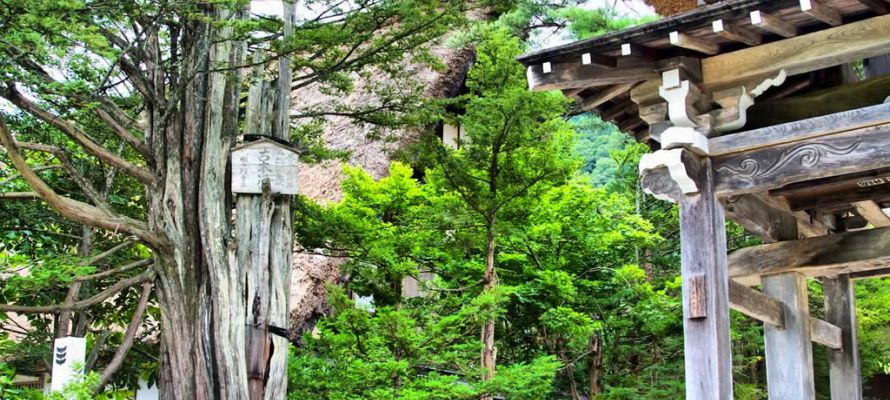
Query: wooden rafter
731, 31
880, 7
817, 10
773, 24
686, 41
605, 95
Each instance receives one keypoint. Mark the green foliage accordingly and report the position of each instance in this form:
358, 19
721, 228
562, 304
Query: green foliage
585, 23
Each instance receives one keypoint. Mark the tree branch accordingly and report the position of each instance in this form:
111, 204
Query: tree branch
13, 95
122, 284
18, 196
129, 337
115, 271
75, 210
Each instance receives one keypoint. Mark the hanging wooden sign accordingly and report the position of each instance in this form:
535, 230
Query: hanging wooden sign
257, 161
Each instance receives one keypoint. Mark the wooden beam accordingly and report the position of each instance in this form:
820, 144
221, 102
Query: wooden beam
878, 6
801, 54
799, 130
847, 252
763, 219
817, 10
826, 334
872, 213
573, 75
707, 356
685, 41
770, 168
773, 24
788, 352
844, 365
755, 304
605, 95
734, 32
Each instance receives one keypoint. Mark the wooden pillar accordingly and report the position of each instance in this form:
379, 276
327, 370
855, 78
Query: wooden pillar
705, 292
840, 310
789, 352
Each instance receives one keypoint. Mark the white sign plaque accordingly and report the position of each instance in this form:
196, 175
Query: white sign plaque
67, 352
254, 163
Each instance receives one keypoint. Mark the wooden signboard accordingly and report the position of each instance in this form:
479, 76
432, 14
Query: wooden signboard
257, 161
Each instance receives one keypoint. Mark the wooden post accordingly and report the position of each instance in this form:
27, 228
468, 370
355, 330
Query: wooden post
705, 293
840, 310
789, 353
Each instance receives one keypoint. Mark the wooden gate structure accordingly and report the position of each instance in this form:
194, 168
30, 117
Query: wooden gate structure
775, 114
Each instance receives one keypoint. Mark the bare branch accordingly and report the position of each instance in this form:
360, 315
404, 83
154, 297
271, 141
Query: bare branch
112, 290
36, 169
129, 337
13, 95
75, 210
115, 271
108, 253
19, 196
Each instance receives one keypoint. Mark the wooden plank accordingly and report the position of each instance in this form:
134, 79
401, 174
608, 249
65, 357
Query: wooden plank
605, 95
829, 255
734, 32
799, 130
844, 365
821, 12
707, 357
685, 41
801, 54
872, 213
788, 352
755, 304
574, 75
773, 24
770, 168
880, 7
826, 334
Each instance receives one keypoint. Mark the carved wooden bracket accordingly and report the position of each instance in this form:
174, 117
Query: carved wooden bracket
734, 102
668, 174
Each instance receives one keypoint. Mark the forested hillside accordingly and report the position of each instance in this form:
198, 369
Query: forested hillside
538, 268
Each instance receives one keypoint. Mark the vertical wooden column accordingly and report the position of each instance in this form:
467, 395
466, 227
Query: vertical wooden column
789, 351
705, 292
840, 310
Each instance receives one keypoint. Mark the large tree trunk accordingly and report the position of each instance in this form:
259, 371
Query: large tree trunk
199, 290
